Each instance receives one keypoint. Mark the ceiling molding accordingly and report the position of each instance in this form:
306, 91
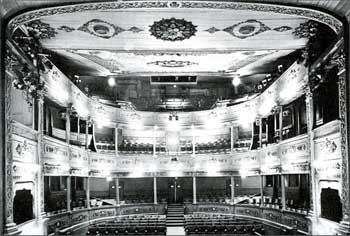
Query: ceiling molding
325, 18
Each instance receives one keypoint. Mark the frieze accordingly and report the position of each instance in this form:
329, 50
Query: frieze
136, 210
335, 24
78, 159
220, 209
329, 169
298, 167
254, 212
295, 221
57, 150
273, 216
57, 223
79, 217
102, 213
297, 148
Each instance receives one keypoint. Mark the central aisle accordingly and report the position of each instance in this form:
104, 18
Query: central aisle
174, 231
175, 219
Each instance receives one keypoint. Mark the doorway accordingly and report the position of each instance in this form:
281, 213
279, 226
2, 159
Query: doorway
23, 206
174, 189
331, 206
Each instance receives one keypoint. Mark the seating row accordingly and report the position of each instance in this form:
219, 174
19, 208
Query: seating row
246, 229
131, 230
221, 145
130, 225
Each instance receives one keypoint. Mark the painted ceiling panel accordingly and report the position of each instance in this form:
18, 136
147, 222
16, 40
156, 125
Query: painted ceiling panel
197, 30
171, 62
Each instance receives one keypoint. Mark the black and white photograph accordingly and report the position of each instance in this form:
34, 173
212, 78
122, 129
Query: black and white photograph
174, 117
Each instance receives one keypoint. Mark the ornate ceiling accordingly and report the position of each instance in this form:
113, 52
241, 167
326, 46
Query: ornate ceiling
169, 40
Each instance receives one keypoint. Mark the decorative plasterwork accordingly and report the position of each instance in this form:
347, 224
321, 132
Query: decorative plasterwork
40, 29
172, 63
101, 28
8, 149
135, 29
339, 60
282, 28
66, 28
335, 24
212, 30
173, 29
21, 148
246, 29
329, 146
306, 30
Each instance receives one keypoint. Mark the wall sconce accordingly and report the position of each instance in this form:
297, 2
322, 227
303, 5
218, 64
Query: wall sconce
280, 68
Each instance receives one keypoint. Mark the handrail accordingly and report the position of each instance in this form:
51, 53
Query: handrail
279, 218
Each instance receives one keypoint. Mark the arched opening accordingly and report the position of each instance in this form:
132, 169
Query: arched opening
23, 206
331, 206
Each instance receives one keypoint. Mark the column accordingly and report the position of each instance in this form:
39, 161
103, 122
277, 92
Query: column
87, 192
6, 86
47, 118
40, 182
232, 189
339, 59
87, 134
78, 130
260, 132
193, 141
117, 195
283, 191
69, 195
68, 124
261, 190
194, 190
281, 121
116, 141
232, 138
154, 140
310, 122
155, 190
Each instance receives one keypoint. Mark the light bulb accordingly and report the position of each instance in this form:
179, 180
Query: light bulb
111, 82
236, 81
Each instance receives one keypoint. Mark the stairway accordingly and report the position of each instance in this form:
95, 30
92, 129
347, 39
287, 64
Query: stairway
175, 215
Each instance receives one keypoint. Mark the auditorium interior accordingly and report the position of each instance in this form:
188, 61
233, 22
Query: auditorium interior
174, 117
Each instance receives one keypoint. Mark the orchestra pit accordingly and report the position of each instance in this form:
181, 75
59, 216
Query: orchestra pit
174, 117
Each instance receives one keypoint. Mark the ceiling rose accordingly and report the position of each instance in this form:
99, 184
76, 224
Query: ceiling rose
173, 29
101, 28
247, 29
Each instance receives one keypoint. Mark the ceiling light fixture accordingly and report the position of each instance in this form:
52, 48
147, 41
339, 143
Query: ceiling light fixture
111, 82
236, 81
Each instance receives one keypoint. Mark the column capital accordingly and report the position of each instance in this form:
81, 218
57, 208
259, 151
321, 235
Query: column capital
308, 93
338, 60
89, 121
